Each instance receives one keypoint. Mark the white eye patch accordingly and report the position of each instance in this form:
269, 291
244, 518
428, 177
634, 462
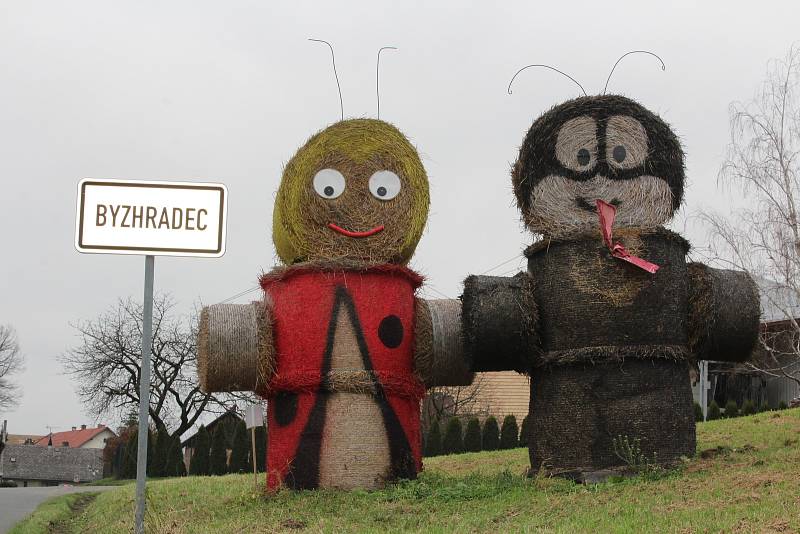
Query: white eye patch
329, 183
384, 185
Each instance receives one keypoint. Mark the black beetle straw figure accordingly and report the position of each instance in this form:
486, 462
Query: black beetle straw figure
609, 315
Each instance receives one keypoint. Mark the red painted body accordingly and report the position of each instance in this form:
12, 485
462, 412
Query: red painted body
302, 302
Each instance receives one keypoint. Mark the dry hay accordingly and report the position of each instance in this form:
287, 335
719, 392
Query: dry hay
567, 160
724, 313
357, 148
500, 319
439, 344
595, 308
234, 348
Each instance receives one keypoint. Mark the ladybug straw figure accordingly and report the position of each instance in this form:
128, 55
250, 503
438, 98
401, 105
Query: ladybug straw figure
609, 315
340, 347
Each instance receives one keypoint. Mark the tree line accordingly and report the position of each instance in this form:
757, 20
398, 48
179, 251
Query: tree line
476, 437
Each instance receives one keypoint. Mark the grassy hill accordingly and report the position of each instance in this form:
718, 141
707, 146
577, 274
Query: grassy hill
746, 478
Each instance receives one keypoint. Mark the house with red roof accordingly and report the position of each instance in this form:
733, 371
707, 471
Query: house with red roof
78, 438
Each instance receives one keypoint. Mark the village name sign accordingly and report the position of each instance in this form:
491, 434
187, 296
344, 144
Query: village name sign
153, 218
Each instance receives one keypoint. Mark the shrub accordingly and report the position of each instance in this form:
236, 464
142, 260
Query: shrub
731, 409
525, 430
433, 443
261, 449
200, 455
509, 433
453, 442
764, 407
490, 439
218, 458
782, 405
240, 452
472, 436
713, 411
8, 484
748, 408
698, 412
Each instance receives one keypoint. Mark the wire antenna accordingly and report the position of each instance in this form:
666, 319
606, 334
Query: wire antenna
335, 74
547, 67
663, 67
378, 76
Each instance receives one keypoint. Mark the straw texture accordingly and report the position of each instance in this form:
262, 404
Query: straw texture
235, 350
439, 356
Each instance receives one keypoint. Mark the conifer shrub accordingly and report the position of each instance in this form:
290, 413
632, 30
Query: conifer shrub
731, 409
261, 449
453, 442
240, 452
524, 430
782, 405
714, 411
509, 433
472, 436
199, 464
748, 408
698, 412
218, 458
490, 438
433, 441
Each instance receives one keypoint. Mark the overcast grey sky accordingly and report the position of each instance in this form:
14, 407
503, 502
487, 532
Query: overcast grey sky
227, 91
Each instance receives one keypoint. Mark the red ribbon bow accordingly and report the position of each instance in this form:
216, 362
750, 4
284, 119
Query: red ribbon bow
607, 212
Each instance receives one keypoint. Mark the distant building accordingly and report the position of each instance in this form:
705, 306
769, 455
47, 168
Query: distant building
50, 466
23, 439
228, 420
78, 438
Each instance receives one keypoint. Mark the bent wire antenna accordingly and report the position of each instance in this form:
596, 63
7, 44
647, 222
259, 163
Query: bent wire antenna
547, 67
663, 67
335, 74
378, 76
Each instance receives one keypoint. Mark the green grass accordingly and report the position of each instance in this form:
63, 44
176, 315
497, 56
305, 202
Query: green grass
110, 481
54, 515
746, 479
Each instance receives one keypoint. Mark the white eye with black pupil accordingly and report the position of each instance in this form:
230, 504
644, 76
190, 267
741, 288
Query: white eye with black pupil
329, 183
384, 185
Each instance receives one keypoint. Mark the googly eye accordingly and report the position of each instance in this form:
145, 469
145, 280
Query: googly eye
384, 185
329, 183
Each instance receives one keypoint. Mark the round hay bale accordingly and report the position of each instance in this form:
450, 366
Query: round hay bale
357, 149
234, 347
577, 411
595, 308
500, 318
439, 344
724, 313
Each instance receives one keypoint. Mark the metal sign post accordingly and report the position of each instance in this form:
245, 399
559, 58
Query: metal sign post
144, 394
151, 219
254, 418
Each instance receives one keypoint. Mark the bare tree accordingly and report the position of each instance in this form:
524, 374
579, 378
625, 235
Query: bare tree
442, 402
11, 362
763, 238
106, 366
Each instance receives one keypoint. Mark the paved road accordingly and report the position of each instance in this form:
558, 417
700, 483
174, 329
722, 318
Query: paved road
17, 503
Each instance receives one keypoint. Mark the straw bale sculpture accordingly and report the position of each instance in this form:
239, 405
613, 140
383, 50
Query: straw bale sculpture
340, 346
609, 315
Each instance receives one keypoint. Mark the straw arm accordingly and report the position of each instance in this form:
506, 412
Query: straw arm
500, 321
724, 313
235, 350
439, 356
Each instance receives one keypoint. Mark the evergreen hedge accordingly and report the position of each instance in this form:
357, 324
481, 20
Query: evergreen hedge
509, 433
490, 438
472, 436
218, 458
453, 442
199, 464
433, 441
713, 411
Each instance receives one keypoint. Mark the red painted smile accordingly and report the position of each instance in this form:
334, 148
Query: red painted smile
349, 233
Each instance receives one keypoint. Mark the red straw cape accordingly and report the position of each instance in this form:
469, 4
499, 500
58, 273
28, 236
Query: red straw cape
306, 301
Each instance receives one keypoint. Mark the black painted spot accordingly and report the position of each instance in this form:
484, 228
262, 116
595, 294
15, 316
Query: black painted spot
390, 331
584, 157
285, 407
619, 153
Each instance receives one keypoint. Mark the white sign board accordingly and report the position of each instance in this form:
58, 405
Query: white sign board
151, 218
254, 416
